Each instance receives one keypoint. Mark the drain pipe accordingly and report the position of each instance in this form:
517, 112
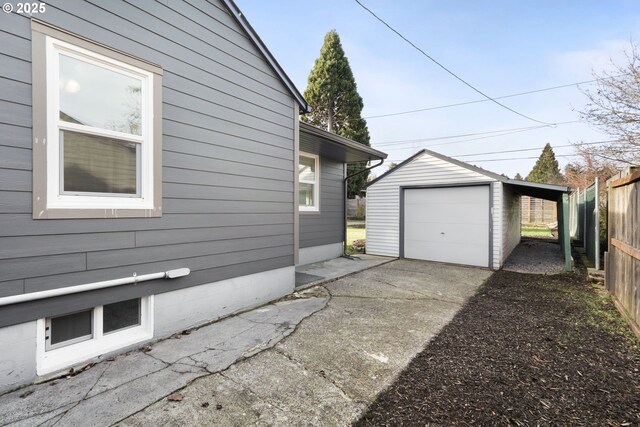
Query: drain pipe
344, 228
32, 296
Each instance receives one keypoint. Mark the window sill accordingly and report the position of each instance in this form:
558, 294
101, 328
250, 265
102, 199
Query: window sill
64, 357
97, 213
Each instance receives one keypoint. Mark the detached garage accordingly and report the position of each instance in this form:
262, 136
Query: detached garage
432, 207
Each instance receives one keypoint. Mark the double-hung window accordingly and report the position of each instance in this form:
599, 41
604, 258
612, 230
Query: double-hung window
309, 182
100, 132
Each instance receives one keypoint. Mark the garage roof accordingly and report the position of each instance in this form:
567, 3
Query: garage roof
533, 189
319, 141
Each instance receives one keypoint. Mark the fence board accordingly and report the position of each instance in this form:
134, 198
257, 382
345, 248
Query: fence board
622, 276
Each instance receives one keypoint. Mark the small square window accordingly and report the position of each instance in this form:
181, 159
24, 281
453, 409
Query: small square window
120, 315
69, 329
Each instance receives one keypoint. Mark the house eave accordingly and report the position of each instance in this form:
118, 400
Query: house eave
327, 144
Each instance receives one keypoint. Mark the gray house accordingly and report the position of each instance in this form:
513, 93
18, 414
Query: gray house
154, 176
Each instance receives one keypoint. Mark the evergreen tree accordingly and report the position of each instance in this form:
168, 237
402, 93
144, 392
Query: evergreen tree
335, 103
546, 169
518, 177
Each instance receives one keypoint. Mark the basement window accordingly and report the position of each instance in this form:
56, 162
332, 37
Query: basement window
76, 337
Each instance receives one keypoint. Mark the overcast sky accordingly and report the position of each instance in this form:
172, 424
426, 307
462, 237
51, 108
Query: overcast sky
502, 47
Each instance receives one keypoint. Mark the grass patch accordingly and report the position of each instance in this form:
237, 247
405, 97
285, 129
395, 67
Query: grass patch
536, 232
353, 234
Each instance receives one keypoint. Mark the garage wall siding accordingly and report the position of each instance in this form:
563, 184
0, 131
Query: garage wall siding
228, 159
498, 226
511, 219
383, 200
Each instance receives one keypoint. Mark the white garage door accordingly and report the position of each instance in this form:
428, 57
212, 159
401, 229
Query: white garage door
449, 224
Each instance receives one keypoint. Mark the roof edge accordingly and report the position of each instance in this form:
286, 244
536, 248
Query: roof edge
338, 139
399, 165
554, 187
240, 18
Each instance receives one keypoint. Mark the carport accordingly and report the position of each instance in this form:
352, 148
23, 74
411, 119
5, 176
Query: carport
554, 193
435, 208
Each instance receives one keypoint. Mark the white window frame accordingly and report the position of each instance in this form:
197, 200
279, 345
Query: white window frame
316, 184
48, 361
56, 198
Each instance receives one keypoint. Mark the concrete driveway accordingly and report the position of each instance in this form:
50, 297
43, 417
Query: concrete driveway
316, 358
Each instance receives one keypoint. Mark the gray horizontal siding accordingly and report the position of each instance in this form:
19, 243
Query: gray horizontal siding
326, 227
19, 313
227, 161
11, 287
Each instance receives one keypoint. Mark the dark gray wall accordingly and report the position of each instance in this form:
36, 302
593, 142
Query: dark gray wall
227, 160
325, 227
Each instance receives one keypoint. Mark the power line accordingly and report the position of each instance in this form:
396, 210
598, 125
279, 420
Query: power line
499, 132
480, 100
448, 70
516, 158
534, 149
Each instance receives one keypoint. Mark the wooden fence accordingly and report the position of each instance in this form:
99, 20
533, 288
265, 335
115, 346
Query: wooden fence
622, 261
537, 211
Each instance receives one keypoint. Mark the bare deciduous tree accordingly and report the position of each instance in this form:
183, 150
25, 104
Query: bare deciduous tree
583, 172
614, 107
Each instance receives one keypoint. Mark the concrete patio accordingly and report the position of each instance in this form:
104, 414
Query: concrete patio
317, 357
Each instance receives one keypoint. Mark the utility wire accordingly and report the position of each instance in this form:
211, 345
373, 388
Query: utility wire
482, 100
499, 131
517, 158
449, 71
534, 149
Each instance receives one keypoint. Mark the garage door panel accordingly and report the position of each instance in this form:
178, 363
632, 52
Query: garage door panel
469, 213
451, 233
453, 195
476, 255
449, 224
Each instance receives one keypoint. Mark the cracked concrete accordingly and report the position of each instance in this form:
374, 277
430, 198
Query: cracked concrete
317, 357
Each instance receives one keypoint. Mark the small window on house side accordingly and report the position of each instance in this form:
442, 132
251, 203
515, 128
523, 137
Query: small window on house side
73, 338
309, 183
101, 127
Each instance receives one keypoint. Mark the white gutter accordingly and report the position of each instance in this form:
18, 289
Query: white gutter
32, 296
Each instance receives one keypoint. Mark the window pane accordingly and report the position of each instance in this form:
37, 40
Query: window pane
307, 169
96, 96
120, 315
71, 327
98, 165
306, 195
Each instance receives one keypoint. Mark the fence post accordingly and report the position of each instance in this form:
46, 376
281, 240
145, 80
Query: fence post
596, 213
566, 239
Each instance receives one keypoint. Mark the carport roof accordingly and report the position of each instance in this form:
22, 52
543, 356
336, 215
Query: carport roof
319, 141
533, 189
538, 190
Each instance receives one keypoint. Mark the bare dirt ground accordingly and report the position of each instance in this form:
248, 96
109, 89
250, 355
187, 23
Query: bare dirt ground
526, 350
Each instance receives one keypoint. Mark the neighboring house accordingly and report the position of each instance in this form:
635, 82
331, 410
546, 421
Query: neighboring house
436, 208
148, 177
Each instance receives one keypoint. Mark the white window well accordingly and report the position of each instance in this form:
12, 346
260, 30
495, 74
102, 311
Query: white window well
76, 337
97, 129
309, 182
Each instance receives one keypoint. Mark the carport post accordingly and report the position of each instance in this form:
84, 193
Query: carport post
565, 235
